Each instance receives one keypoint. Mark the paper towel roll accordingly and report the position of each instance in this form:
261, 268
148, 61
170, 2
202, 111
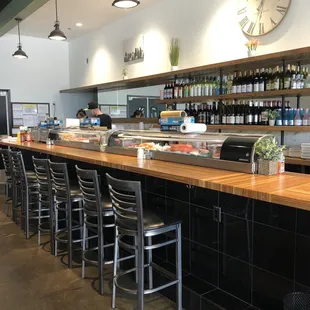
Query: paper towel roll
165, 114
193, 128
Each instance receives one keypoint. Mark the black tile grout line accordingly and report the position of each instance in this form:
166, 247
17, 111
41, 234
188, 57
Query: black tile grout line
247, 304
295, 248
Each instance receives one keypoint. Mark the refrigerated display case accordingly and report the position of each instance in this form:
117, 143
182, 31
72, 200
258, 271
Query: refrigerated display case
222, 151
88, 139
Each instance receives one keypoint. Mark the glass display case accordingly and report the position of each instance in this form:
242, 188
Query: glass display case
222, 151
89, 139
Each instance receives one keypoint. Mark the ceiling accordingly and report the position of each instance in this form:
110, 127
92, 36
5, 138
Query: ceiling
4, 3
93, 14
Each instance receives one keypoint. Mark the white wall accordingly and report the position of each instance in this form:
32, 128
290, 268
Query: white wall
38, 78
208, 29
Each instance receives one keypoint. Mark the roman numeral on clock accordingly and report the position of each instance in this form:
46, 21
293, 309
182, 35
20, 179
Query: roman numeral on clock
281, 9
244, 22
242, 11
251, 28
273, 22
261, 28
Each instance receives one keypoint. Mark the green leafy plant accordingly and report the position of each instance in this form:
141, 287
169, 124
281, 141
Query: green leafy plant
272, 114
269, 149
174, 53
124, 71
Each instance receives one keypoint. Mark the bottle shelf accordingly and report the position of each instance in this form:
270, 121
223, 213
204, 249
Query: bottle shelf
297, 161
260, 128
254, 95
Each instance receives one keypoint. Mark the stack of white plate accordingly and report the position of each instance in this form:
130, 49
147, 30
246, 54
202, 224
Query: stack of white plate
305, 150
294, 152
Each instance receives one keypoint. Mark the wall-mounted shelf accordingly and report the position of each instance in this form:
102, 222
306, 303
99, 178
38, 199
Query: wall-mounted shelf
297, 161
256, 95
260, 128
301, 54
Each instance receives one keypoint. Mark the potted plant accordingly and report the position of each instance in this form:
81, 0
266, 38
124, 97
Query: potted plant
124, 73
269, 154
174, 53
252, 46
272, 115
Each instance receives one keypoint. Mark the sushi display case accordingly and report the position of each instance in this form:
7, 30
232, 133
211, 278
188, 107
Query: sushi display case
233, 152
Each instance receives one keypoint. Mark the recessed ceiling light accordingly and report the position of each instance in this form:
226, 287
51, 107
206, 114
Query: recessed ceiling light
79, 24
125, 4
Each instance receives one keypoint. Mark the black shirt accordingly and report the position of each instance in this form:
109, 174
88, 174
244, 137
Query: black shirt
105, 121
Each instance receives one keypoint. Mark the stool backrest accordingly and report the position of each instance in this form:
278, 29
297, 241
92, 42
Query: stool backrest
60, 178
89, 186
42, 170
126, 197
18, 168
6, 162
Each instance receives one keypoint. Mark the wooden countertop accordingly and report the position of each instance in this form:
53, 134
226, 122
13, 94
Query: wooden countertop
290, 189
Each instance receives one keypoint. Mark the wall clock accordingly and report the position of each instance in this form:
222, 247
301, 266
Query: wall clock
258, 17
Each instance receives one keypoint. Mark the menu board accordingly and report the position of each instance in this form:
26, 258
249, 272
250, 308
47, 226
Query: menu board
29, 114
115, 111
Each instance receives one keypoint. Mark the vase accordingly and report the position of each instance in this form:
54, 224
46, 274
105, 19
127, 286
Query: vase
271, 122
251, 53
267, 167
174, 68
125, 77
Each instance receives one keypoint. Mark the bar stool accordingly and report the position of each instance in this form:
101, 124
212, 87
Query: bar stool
96, 208
66, 196
27, 184
9, 178
132, 220
46, 198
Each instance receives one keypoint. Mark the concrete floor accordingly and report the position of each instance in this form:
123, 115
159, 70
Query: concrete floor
32, 279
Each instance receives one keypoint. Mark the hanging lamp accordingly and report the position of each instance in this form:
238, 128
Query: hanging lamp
125, 4
57, 34
20, 54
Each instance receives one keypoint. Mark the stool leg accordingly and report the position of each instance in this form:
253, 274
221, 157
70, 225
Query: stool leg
39, 223
6, 193
100, 256
149, 261
179, 267
81, 221
83, 249
14, 202
136, 257
56, 229
115, 264
52, 219
140, 272
70, 247
27, 213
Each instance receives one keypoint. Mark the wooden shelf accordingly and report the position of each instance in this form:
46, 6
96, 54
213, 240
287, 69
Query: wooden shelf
297, 161
256, 95
260, 128
263, 61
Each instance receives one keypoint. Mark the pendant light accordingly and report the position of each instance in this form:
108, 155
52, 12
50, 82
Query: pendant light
20, 54
125, 4
57, 34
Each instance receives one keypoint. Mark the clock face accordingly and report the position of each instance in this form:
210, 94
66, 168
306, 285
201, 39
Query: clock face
258, 17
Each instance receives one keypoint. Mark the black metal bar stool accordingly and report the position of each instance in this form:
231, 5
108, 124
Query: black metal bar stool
46, 198
9, 177
27, 184
132, 220
66, 196
96, 208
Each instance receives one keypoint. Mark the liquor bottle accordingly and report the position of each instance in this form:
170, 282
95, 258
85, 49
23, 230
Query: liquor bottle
186, 109
256, 81
212, 116
293, 80
239, 83
176, 90
232, 114
306, 78
229, 84
276, 79
297, 118
217, 114
244, 82
285, 115
185, 89
203, 86
224, 85
241, 113
181, 89
194, 112
165, 91
281, 83
207, 87
288, 77
269, 80
198, 87
255, 113
200, 118
305, 119
237, 113
298, 78
191, 88
302, 78
249, 86
234, 84
263, 114
262, 85
279, 118
249, 114
223, 113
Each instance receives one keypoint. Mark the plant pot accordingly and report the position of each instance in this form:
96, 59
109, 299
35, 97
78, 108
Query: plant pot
251, 53
174, 68
125, 77
272, 122
267, 167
